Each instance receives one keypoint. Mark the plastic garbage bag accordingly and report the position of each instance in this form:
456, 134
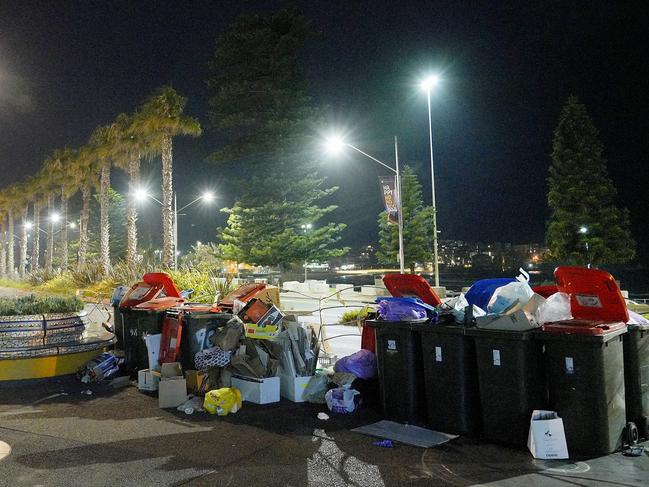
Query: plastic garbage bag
509, 295
362, 364
223, 401
458, 305
342, 400
316, 389
481, 291
636, 319
404, 309
193, 403
555, 308
212, 357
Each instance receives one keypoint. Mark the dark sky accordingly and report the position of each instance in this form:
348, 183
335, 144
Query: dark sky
67, 66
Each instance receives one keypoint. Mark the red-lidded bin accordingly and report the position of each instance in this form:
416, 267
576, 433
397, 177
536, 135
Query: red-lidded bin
399, 353
585, 362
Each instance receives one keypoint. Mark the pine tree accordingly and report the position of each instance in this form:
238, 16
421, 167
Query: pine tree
586, 225
262, 108
417, 227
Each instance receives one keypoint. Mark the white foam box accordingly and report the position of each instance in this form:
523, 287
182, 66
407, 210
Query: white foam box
147, 380
172, 389
292, 388
259, 391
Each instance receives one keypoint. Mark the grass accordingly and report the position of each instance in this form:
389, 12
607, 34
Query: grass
14, 284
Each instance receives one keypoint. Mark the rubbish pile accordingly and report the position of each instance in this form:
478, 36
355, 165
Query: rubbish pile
505, 361
511, 360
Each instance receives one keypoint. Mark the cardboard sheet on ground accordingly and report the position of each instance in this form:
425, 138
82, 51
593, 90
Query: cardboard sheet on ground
405, 433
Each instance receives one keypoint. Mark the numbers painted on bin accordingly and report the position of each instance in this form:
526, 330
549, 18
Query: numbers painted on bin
392, 345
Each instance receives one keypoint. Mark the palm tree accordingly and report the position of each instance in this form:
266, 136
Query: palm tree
102, 142
130, 146
160, 119
59, 167
23, 212
37, 192
48, 186
3, 244
84, 174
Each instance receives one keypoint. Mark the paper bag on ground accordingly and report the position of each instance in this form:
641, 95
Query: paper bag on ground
547, 439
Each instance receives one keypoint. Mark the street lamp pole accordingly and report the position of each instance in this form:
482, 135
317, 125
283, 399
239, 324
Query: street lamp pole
399, 199
432, 185
399, 196
175, 231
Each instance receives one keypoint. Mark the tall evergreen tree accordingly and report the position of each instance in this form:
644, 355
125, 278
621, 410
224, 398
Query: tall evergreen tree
417, 227
586, 225
261, 106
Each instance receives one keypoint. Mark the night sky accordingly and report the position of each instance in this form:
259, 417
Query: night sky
67, 67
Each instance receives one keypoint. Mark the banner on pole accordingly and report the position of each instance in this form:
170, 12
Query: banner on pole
390, 197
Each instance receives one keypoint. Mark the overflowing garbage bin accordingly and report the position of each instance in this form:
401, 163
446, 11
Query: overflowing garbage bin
198, 325
141, 312
451, 379
399, 351
511, 382
585, 362
399, 360
636, 379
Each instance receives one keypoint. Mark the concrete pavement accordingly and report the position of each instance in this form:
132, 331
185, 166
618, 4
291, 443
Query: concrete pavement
61, 437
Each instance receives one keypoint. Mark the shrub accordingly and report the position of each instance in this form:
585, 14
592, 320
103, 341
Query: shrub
351, 317
35, 305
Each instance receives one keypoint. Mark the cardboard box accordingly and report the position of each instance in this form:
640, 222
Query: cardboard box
516, 321
153, 349
259, 391
547, 439
195, 381
292, 387
147, 380
172, 389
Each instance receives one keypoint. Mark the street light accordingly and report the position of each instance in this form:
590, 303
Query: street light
427, 85
584, 231
336, 144
305, 228
55, 218
142, 194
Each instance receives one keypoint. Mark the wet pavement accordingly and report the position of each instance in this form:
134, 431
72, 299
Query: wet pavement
61, 437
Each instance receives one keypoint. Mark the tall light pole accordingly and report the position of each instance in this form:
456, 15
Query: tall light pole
305, 228
207, 196
427, 85
337, 144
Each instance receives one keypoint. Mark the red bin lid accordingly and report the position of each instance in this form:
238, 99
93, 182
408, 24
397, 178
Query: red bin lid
160, 304
583, 327
545, 291
411, 286
594, 294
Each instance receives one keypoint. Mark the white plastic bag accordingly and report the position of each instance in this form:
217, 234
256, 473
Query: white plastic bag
342, 400
555, 308
508, 296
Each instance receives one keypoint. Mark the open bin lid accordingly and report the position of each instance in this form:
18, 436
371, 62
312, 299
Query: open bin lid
160, 304
594, 294
546, 291
243, 293
411, 286
162, 279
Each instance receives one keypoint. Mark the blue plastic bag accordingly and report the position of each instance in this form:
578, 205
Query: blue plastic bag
404, 309
362, 364
481, 291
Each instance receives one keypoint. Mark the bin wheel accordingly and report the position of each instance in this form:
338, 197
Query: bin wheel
631, 433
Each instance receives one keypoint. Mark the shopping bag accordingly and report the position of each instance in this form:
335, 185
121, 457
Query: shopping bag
547, 439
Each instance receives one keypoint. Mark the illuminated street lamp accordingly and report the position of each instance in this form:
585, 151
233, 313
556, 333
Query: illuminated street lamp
427, 85
336, 144
305, 228
142, 194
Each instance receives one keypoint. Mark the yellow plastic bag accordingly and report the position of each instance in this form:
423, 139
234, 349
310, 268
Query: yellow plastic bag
222, 401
